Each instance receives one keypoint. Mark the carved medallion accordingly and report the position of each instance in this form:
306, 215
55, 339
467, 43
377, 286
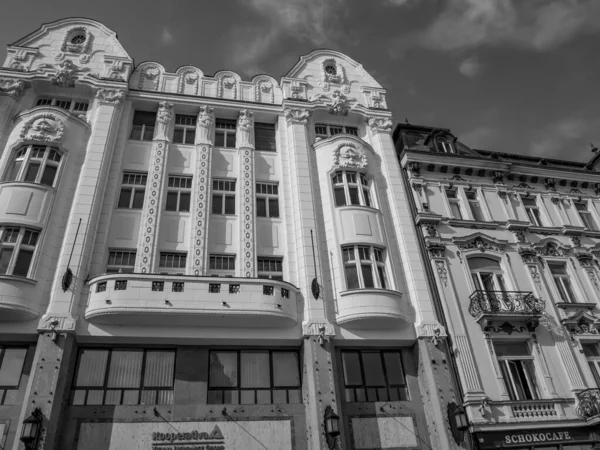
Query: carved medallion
44, 127
349, 154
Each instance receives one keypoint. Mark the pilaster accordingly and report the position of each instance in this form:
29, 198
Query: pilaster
245, 145
148, 242
202, 176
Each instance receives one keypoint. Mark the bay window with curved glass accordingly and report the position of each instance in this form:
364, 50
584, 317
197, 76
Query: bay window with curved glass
351, 188
35, 164
364, 267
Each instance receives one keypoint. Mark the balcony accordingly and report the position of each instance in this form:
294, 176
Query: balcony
178, 300
506, 311
372, 309
589, 404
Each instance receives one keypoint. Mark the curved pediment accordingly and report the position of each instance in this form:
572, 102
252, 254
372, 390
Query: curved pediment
551, 247
480, 242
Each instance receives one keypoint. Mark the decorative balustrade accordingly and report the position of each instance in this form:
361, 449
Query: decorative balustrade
589, 403
534, 410
506, 310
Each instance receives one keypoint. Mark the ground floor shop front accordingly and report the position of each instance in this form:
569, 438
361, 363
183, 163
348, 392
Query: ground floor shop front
542, 438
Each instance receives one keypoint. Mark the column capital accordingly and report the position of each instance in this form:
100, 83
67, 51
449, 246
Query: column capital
110, 96
432, 330
164, 118
380, 124
297, 115
204, 125
57, 322
12, 87
314, 328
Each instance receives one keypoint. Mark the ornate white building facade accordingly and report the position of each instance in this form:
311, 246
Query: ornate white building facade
513, 243
193, 261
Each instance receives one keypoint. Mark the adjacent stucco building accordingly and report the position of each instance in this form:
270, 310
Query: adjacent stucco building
513, 244
195, 261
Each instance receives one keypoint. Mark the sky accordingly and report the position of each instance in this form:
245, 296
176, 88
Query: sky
511, 76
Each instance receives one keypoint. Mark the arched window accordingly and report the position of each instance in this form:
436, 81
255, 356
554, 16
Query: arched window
35, 164
486, 274
351, 188
444, 145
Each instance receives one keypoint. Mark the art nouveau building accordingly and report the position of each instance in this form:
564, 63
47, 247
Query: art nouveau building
202, 262
513, 244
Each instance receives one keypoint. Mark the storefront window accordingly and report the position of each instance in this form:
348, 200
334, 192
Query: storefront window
124, 377
254, 377
11, 368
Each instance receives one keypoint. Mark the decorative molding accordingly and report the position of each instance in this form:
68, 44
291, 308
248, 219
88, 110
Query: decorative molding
297, 115
440, 266
266, 87
150, 73
296, 91
43, 127
51, 322
340, 104
430, 228
245, 130
549, 248
110, 96
164, 118
480, 242
349, 154
339, 77
202, 176
66, 73
415, 169
498, 177
247, 211
377, 100
431, 330
204, 127
227, 82
12, 88
528, 254
435, 249
380, 124
550, 184
311, 328
582, 323
82, 48
191, 78
535, 275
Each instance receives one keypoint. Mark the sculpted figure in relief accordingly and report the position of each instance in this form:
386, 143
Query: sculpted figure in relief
245, 128
164, 117
349, 155
204, 128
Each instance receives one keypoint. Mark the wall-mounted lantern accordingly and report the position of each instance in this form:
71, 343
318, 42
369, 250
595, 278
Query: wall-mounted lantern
332, 426
31, 429
457, 417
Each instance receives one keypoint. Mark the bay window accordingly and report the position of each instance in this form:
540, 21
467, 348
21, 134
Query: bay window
17, 247
364, 267
35, 164
351, 188
518, 371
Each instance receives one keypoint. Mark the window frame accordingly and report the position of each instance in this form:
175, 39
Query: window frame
75, 104
377, 267
531, 377
593, 360
104, 388
328, 128
269, 274
17, 246
238, 387
586, 216
179, 191
215, 259
567, 292
402, 389
147, 130
134, 187
20, 175
176, 257
262, 193
341, 180
5, 388
262, 133
224, 195
185, 128
477, 210
228, 129
497, 277
454, 203
118, 268
444, 145
533, 212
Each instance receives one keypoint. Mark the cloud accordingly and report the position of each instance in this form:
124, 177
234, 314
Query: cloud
166, 38
537, 25
400, 2
483, 137
566, 138
470, 67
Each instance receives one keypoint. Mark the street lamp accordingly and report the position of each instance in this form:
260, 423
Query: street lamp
332, 426
457, 417
31, 428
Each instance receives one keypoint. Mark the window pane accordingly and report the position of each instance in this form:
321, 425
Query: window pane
254, 370
373, 369
353, 195
178, 135
144, 118
138, 199
32, 171
223, 369
273, 207
476, 211
48, 175
12, 366
15, 170
184, 202
351, 277
455, 210
171, 201
23, 261
219, 139
159, 370
340, 196
352, 374
285, 369
393, 368
148, 133
230, 140
261, 207
190, 136
511, 349
367, 274
229, 204
124, 198
382, 279
367, 197
217, 207
136, 132
125, 369
92, 368
5, 255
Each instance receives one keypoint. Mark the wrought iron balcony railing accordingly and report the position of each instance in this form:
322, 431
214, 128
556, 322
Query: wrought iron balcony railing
589, 403
505, 302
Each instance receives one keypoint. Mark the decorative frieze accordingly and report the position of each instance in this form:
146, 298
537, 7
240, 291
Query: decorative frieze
481, 243
317, 329
245, 144
112, 96
200, 211
442, 272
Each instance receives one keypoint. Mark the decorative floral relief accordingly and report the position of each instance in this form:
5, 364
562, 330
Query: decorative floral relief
248, 259
535, 275
340, 104
43, 127
149, 74
480, 244
442, 272
116, 70
202, 175
436, 249
114, 96
65, 74
10, 87
296, 91
377, 101
380, 124
550, 249
349, 154
300, 115
226, 82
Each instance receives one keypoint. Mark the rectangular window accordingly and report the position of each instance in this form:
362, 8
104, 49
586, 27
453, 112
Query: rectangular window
474, 205
592, 354
223, 197
364, 267
351, 188
17, 247
133, 190
586, 216
121, 261
179, 193
562, 281
532, 210
69, 105
454, 203
143, 126
225, 133
264, 136
518, 372
185, 130
12, 360
270, 267
222, 265
267, 200
128, 376
172, 260
324, 130
254, 377
373, 376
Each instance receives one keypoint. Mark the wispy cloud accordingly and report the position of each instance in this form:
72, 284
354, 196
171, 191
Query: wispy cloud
566, 138
166, 38
470, 67
537, 25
